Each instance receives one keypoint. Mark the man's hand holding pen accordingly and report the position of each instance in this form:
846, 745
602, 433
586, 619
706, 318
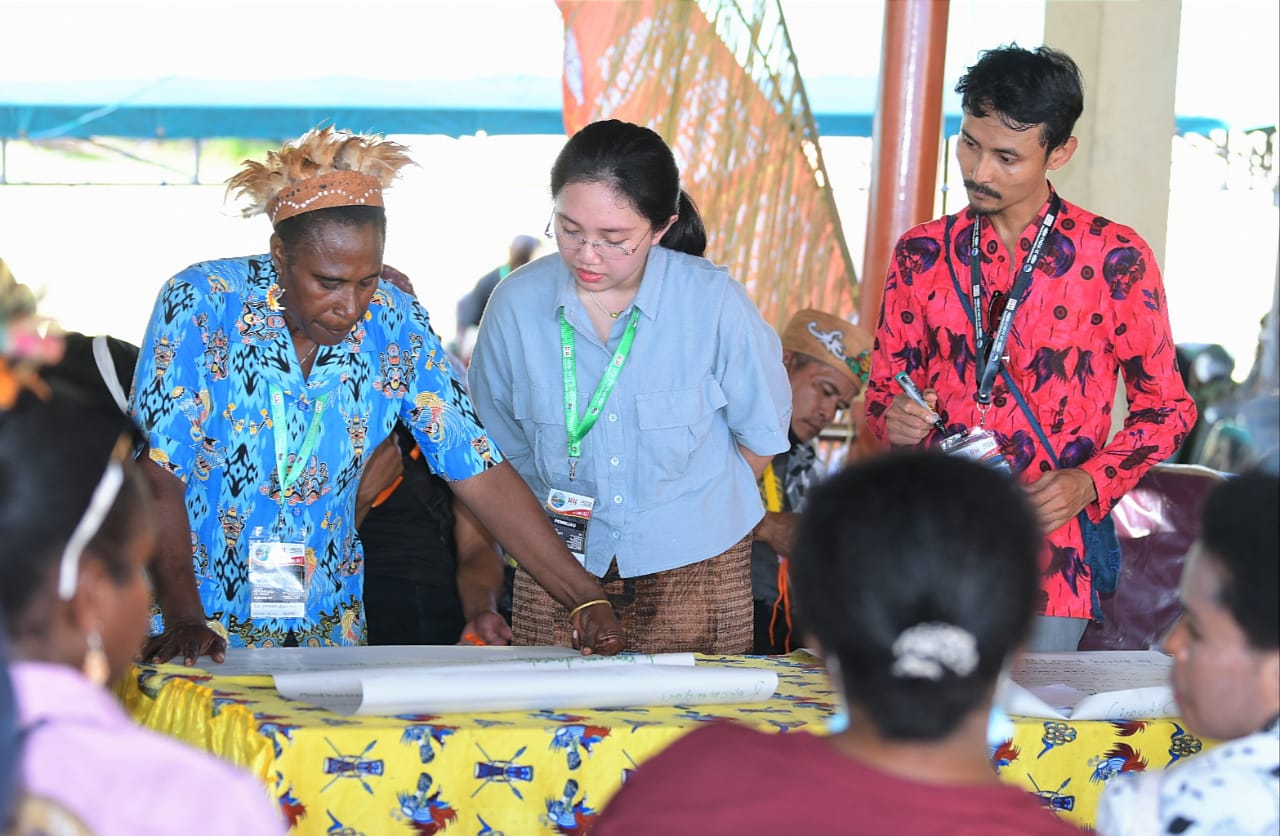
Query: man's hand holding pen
911, 418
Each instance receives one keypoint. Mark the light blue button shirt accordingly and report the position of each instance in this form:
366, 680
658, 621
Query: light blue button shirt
704, 374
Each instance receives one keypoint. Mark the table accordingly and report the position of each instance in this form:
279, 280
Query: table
553, 771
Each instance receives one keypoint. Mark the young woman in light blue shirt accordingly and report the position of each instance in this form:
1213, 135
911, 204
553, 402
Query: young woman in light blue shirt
638, 391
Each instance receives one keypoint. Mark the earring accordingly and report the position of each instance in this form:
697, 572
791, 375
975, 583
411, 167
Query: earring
95, 666
274, 294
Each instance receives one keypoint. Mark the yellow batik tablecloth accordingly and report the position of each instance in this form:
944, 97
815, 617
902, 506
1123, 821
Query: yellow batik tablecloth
536, 772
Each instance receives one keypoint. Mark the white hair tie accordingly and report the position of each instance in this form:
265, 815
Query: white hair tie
923, 651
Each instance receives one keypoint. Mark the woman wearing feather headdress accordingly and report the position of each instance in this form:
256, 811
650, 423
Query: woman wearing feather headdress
266, 383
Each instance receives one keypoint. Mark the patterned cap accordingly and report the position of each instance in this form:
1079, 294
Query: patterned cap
831, 340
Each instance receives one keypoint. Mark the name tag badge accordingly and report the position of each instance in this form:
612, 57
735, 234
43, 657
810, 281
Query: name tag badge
278, 579
569, 514
979, 445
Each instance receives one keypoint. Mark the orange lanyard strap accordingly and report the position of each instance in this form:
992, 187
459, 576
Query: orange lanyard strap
386, 494
773, 502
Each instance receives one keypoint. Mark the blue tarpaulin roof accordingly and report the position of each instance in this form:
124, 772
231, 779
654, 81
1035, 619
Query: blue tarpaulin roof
187, 108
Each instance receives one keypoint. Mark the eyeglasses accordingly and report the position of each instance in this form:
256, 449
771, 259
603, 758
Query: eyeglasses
104, 496
572, 243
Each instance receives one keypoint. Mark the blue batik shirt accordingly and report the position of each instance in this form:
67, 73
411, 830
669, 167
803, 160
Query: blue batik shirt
215, 347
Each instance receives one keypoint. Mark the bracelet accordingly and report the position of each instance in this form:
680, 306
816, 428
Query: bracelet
582, 607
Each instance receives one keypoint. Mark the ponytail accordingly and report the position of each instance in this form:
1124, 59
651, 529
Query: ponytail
687, 234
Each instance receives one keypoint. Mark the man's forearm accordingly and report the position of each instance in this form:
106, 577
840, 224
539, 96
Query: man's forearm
776, 529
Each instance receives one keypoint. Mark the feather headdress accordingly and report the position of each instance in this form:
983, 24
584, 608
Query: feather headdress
324, 167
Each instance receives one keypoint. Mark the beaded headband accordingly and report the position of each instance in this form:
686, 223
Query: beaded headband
324, 191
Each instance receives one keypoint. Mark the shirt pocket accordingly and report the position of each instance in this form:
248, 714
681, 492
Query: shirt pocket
540, 412
673, 425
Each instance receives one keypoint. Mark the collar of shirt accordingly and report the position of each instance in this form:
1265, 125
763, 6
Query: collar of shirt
989, 231
647, 299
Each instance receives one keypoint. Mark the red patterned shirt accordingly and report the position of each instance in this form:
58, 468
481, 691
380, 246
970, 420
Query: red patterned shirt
1095, 309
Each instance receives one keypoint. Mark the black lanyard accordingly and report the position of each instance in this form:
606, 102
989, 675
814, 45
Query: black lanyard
990, 366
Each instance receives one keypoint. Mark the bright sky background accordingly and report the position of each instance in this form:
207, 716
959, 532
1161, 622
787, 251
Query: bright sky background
1227, 62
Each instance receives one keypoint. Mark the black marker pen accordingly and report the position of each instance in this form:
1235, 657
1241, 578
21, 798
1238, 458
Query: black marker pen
909, 387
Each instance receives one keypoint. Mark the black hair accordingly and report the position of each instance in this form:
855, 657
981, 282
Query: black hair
799, 360
1240, 534
306, 229
1026, 89
635, 162
53, 452
79, 368
910, 538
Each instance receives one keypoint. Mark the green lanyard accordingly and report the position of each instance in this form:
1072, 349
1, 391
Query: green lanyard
575, 430
280, 429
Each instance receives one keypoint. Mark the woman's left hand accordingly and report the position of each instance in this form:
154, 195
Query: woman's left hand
596, 630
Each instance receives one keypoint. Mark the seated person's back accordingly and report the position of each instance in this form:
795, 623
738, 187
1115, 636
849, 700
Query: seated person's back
916, 652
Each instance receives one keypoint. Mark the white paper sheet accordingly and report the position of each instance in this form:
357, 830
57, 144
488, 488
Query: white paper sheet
253, 661
506, 687
1094, 685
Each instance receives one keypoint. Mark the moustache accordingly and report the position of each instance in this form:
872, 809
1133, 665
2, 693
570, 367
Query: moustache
971, 186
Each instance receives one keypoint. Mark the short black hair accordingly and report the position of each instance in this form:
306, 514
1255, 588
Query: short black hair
1239, 531
79, 367
910, 538
1026, 89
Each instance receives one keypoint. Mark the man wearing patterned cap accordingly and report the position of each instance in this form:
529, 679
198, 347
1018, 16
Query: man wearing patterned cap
827, 360
266, 383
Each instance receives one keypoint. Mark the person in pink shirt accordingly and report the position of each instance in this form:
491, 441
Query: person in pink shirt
74, 605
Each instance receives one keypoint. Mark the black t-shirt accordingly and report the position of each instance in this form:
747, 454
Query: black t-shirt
410, 535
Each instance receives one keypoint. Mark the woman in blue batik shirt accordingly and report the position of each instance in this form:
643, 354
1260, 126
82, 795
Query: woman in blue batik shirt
267, 382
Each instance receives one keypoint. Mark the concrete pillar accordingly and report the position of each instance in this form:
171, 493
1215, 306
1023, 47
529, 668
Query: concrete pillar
1128, 53
907, 135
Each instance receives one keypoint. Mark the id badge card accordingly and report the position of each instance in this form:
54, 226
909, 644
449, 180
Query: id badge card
278, 577
569, 514
979, 445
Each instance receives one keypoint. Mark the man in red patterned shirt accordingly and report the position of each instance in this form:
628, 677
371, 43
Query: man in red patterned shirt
1036, 310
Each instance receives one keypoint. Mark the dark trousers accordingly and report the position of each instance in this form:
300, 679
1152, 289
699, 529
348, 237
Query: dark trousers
765, 644
400, 612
